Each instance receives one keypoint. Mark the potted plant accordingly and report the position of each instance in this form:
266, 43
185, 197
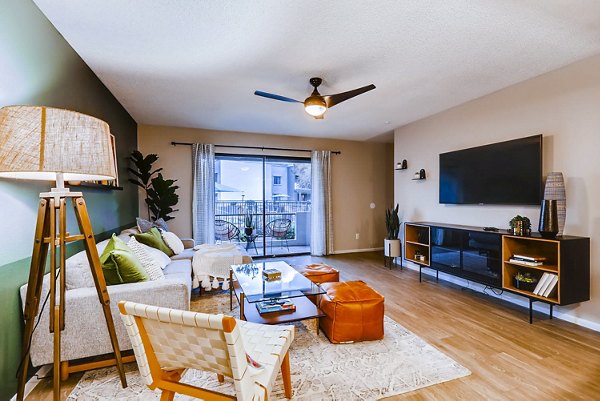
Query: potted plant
392, 225
520, 225
248, 223
160, 193
525, 281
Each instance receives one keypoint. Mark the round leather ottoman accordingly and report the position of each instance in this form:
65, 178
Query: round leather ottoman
353, 312
319, 273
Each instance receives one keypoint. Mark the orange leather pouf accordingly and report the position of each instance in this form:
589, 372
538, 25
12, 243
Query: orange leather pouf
319, 273
353, 312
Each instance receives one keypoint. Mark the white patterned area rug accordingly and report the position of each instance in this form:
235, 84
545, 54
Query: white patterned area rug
371, 370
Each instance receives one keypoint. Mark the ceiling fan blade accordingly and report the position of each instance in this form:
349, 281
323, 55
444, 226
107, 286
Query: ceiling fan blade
332, 100
276, 97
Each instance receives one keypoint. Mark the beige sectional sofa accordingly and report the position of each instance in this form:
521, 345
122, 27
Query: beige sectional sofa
85, 333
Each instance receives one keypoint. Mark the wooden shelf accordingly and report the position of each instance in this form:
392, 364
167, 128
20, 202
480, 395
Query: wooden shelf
416, 239
567, 257
417, 243
547, 268
94, 185
531, 294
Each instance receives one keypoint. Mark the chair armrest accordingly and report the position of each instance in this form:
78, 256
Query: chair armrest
188, 242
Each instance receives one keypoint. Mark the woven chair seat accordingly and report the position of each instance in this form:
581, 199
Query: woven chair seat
166, 342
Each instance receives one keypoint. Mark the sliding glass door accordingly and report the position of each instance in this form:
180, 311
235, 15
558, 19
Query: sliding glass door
263, 203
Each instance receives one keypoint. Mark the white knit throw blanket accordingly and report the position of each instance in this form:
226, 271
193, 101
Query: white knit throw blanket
214, 261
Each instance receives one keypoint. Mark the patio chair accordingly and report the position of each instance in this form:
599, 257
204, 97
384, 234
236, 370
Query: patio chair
226, 231
278, 229
167, 342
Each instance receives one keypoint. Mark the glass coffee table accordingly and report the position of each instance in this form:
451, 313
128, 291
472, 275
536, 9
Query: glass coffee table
249, 288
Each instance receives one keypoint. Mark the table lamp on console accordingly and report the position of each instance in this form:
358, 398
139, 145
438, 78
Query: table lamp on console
43, 143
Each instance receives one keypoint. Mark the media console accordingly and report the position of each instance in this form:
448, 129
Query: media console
485, 257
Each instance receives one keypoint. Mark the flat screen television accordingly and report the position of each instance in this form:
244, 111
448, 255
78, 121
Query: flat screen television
504, 173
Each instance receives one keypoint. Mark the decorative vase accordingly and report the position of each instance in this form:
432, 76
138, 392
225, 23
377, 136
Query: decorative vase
391, 248
555, 189
248, 231
548, 227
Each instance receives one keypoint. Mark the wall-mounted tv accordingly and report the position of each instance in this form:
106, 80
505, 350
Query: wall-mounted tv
504, 173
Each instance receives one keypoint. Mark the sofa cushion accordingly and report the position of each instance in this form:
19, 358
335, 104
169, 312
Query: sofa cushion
79, 274
151, 265
177, 267
180, 270
154, 239
120, 265
173, 242
186, 254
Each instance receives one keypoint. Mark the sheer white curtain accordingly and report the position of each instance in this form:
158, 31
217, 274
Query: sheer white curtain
203, 193
321, 227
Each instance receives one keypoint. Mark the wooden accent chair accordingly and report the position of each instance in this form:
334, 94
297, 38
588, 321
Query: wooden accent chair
226, 231
166, 342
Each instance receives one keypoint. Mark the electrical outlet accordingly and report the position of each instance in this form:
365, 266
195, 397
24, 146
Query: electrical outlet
357, 236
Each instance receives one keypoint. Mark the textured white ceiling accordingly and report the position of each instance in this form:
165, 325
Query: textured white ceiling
197, 63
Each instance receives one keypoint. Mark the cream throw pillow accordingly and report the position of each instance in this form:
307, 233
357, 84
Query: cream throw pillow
159, 256
173, 242
151, 266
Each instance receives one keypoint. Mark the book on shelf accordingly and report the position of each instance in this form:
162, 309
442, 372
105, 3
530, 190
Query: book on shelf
546, 284
275, 306
525, 262
551, 286
530, 258
541, 283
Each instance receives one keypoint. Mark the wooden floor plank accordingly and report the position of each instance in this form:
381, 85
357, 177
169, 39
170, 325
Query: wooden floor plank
509, 358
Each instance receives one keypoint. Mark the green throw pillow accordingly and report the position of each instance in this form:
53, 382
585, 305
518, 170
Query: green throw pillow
154, 239
120, 265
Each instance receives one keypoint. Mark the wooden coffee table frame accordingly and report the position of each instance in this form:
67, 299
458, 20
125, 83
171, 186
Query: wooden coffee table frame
305, 309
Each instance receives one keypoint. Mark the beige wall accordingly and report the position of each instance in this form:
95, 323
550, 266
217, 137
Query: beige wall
362, 174
564, 106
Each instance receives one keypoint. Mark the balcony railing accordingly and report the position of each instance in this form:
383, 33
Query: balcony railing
236, 211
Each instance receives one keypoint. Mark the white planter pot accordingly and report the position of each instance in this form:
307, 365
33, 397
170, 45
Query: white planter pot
391, 248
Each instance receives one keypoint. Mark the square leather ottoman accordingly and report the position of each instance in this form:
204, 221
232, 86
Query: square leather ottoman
319, 273
353, 312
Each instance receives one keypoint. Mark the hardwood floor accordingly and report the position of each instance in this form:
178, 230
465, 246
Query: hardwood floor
509, 358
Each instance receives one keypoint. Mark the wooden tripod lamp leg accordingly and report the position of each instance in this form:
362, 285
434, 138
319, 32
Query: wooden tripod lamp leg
34, 288
85, 227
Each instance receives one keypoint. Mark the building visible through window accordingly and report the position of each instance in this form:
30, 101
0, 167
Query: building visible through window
276, 180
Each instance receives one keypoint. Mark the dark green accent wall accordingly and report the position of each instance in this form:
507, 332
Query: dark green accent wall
40, 68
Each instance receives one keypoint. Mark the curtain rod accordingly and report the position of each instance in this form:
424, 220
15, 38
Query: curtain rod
335, 152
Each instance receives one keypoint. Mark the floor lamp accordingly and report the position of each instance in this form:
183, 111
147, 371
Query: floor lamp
43, 143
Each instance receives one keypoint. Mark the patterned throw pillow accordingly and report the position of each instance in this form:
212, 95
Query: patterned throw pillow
145, 225
173, 242
159, 256
152, 268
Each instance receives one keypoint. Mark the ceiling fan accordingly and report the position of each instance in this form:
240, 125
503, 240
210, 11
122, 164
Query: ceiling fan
316, 104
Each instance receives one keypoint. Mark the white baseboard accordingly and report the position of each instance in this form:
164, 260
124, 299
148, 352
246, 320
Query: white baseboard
512, 298
357, 250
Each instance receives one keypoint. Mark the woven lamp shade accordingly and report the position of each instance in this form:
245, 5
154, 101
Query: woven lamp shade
39, 142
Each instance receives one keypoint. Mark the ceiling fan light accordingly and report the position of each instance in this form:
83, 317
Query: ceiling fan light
315, 106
